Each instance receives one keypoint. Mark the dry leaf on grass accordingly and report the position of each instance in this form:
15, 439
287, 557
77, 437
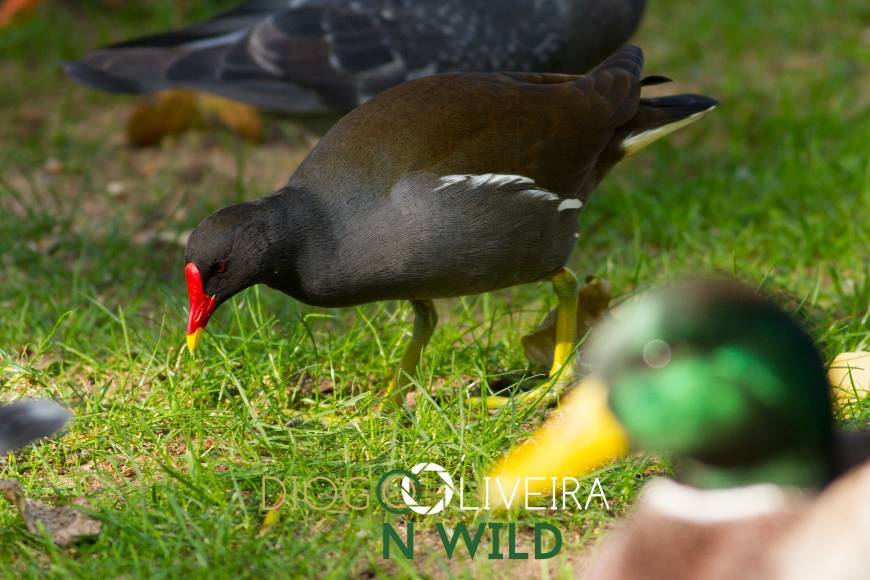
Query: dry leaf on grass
241, 119
849, 376
173, 112
309, 385
540, 345
273, 514
166, 113
66, 525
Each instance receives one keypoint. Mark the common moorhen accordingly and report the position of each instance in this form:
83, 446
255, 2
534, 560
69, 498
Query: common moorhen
444, 186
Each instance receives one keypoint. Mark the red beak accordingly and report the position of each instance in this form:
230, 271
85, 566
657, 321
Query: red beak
201, 306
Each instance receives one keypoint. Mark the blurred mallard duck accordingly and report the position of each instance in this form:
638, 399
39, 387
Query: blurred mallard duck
731, 387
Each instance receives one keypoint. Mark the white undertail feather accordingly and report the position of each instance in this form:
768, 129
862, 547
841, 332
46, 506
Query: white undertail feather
570, 204
637, 141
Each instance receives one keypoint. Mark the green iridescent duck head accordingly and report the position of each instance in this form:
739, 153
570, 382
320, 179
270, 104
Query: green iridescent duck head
706, 372
713, 374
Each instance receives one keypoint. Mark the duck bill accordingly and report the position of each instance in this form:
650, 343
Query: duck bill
580, 436
201, 306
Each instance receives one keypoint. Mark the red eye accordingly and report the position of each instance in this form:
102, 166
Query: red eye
221, 267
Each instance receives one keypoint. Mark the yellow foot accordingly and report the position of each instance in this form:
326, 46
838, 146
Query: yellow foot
546, 394
562, 371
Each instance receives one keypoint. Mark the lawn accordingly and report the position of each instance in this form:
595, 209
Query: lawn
180, 456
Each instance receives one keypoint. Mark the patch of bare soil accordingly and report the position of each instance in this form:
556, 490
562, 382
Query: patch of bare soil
149, 188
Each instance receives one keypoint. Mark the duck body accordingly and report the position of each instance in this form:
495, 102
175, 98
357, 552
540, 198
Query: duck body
312, 56
760, 531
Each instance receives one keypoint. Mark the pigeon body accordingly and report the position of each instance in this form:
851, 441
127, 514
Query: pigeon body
314, 56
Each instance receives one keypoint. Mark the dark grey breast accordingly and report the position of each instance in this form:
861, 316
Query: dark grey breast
319, 55
438, 236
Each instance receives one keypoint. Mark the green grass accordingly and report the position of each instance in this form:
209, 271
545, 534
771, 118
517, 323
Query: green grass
172, 451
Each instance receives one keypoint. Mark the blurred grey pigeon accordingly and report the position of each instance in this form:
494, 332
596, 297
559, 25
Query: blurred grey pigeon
26, 421
316, 56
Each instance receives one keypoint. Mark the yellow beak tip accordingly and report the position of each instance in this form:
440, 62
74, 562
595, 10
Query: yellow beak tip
194, 339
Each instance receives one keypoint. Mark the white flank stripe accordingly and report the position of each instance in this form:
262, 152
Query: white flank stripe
487, 179
450, 180
541, 194
496, 180
570, 204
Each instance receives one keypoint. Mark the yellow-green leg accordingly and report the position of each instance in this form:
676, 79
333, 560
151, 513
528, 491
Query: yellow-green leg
425, 320
561, 372
565, 285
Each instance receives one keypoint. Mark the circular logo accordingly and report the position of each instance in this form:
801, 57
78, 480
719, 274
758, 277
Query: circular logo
411, 502
406, 476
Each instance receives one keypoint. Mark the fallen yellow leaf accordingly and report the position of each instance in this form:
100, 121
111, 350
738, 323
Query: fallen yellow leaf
273, 514
172, 112
849, 375
243, 120
161, 115
10, 10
